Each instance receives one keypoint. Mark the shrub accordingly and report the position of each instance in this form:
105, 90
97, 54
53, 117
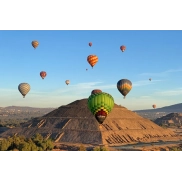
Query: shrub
82, 148
175, 149
100, 148
36, 143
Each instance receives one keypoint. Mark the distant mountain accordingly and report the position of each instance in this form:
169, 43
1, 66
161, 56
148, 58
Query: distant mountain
26, 108
167, 109
170, 119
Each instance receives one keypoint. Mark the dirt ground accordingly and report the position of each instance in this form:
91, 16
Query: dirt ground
168, 146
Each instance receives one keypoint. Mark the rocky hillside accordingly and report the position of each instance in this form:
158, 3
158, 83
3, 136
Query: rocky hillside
172, 119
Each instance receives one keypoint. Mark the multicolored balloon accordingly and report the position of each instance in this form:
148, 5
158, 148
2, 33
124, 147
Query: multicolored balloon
92, 60
100, 104
123, 48
24, 88
43, 74
35, 44
124, 86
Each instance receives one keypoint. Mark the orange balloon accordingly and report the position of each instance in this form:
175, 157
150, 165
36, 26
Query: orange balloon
154, 106
35, 44
92, 60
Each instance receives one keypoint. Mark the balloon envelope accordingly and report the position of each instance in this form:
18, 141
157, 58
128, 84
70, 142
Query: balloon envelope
95, 91
35, 44
154, 106
100, 104
124, 86
24, 88
90, 44
67, 82
92, 60
123, 48
43, 74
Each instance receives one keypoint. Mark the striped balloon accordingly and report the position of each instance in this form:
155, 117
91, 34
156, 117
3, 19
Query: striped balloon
124, 86
92, 60
24, 88
35, 44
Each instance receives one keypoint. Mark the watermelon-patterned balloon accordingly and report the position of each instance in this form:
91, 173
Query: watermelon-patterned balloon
100, 104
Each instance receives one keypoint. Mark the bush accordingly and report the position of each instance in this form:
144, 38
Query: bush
100, 148
82, 148
175, 149
36, 143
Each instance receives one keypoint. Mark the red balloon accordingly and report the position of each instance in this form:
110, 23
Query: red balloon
43, 74
123, 48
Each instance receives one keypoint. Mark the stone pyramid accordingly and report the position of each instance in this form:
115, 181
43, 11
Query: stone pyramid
75, 124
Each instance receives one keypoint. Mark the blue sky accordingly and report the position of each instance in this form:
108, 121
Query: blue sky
63, 55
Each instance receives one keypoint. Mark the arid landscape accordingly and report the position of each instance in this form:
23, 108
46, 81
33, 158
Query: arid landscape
73, 127
86, 111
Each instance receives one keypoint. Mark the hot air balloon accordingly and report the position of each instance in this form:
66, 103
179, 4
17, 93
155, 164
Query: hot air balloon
154, 106
150, 79
124, 86
24, 88
86, 69
90, 44
123, 48
100, 104
92, 60
67, 82
35, 44
43, 74
96, 91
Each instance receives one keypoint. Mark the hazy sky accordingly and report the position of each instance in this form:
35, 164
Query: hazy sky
63, 55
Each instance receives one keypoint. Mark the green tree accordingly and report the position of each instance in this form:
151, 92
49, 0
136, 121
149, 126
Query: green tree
36, 143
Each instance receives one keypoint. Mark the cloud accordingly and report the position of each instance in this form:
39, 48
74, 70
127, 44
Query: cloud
145, 97
5, 90
13, 92
161, 74
145, 82
82, 88
169, 92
